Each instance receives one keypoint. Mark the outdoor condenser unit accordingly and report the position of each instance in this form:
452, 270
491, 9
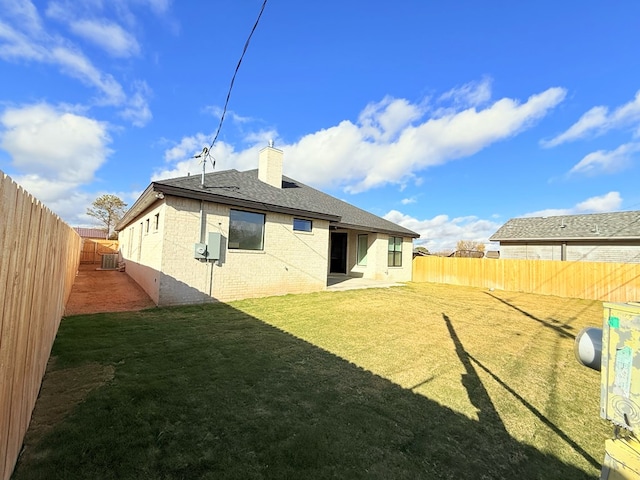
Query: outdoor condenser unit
109, 261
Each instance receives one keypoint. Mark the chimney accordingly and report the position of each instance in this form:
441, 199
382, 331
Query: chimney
270, 165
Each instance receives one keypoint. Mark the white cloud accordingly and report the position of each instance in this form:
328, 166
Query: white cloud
75, 64
53, 50
53, 151
180, 159
608, 202
102, 32
391, 142
603, 161
159, 7
602, 204
137, 110
109, 36
230, 114
407, 201
472, 94
15, 45
598, 120
382, 121
442, 233
23, 12
347, 153
24, 37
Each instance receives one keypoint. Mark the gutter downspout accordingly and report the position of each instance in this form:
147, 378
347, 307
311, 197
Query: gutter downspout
203, 223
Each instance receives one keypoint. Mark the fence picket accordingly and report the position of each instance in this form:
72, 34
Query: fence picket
611, 282
39, 256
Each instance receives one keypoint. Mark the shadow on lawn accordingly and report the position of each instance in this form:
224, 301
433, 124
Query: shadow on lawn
210, 392
560, 329
481, 400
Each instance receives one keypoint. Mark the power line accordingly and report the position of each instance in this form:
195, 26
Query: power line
233, 79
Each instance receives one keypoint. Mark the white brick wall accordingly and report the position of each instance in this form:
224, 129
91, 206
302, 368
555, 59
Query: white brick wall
162, 261
141, 248
377, 267
291, 262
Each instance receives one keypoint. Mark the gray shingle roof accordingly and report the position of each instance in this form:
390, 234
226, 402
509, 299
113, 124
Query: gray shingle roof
616, 225
244, 189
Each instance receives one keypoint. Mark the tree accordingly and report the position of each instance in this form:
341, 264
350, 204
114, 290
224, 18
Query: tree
469, 248
422, 250
109, 209
470, 245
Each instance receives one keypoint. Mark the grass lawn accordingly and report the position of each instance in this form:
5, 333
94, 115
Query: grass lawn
424, 381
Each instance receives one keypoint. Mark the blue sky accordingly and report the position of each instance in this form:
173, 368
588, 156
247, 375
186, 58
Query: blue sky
446, 117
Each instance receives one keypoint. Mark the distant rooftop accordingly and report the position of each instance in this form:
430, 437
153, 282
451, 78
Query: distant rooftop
615, 225
91, 232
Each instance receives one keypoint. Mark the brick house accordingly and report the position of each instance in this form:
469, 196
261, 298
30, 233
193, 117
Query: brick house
254, 233
596, 237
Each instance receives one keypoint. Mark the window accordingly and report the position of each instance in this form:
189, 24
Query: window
395, 251
301, 225
140, 241
156, 222
363, 243
130, 242
246, 230
146, 228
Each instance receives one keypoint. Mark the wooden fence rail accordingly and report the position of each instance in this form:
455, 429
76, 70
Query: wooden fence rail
612, 282
93, 250
39, 257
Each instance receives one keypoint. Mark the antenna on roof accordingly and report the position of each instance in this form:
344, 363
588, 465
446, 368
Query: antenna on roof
203, 155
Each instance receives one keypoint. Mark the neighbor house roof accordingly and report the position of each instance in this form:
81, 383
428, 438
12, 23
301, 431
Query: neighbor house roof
244, 189
594, 226
91, 232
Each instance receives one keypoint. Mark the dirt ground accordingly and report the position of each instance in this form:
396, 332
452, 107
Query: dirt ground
96, 291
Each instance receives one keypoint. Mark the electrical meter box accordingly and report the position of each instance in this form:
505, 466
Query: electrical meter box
620, 371
200, 251
214, 245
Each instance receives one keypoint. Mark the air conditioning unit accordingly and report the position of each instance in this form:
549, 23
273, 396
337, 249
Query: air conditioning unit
109, 261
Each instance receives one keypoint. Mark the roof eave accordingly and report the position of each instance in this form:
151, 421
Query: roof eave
404, 233
558, 239
142, 203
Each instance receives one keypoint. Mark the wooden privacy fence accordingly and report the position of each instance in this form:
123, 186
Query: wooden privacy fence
612, 282
39, 256
93, 250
